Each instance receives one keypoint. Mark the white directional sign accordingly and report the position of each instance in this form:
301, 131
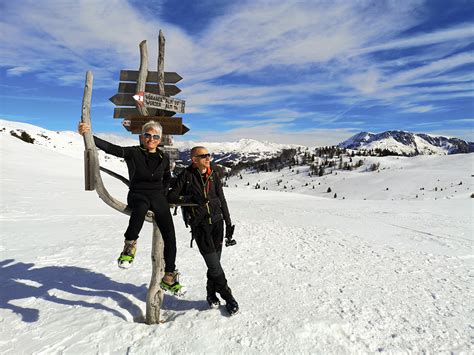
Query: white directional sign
150, 100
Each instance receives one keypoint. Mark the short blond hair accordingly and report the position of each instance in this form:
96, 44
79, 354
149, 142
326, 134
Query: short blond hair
152, 125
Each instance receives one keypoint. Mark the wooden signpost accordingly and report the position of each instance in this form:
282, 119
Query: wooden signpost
142, 96
152, 76
150, 100
171, 125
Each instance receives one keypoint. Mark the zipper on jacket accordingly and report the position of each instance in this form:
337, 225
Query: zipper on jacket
205, 193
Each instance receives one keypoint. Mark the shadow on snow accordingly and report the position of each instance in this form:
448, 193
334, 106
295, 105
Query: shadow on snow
23, 280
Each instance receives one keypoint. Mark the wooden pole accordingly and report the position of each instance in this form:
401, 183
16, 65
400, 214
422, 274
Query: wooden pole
154, 297
161, 64
86, 118
142, 74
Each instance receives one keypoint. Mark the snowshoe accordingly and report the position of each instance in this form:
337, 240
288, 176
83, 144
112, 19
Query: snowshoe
213, 301
128, 254
170, 283
232, 307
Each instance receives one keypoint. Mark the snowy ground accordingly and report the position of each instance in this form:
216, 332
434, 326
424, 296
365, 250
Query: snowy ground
311, 274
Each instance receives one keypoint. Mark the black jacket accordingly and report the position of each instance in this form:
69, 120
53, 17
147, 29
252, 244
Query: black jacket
146, 171
191, 183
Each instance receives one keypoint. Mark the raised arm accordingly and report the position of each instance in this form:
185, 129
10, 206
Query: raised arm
107, 147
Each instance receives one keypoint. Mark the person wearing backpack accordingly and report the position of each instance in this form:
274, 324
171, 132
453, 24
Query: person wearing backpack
200, 184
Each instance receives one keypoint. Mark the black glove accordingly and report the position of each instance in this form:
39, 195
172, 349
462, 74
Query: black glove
199, 200
229, 232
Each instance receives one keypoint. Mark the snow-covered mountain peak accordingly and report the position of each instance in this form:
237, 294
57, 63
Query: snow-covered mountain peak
407, 143
244, 145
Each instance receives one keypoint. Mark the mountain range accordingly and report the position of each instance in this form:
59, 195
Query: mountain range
407, 143
391, 142
250, 150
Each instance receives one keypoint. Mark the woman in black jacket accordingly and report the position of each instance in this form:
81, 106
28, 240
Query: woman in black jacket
149, 174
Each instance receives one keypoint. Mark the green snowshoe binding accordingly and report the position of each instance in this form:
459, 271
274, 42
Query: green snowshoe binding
170, 283
128, 254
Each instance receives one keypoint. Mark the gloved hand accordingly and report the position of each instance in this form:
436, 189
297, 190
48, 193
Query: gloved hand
199, 200
229, 232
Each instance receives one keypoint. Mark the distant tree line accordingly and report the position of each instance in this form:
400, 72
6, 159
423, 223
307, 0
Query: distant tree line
321, 160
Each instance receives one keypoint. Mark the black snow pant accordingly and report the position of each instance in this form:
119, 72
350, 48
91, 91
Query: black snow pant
209, 238
142, 201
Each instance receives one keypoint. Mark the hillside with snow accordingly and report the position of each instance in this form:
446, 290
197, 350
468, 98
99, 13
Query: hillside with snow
372, 270
71, 143
430, 177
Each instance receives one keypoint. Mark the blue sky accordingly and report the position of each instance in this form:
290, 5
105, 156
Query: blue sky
303, 72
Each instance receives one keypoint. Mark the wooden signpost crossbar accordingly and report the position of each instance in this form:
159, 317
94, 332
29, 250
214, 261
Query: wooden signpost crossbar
171, 125
150, 100
132, 75
131, 88
126, 112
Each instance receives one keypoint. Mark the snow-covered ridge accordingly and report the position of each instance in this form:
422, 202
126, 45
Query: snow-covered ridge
71, 143
244, 145
249, 150
407, 143
243, 150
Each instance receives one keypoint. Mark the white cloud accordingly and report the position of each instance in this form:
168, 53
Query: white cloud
463, 120
464, 31
420, 109
432, 69
255, 123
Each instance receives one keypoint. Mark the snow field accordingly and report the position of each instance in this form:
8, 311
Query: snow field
311, 274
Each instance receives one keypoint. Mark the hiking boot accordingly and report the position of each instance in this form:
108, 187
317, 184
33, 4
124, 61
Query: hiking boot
128, 254
213, 301
232, 306
170, 282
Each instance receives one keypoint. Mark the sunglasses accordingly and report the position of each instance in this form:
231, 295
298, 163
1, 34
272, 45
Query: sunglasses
154, 136
203, 156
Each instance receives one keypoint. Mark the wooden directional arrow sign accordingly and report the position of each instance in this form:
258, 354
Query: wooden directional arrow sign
126, 112
173, 153
121, 99
132, 75
159, 102
170, 125
131, 88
